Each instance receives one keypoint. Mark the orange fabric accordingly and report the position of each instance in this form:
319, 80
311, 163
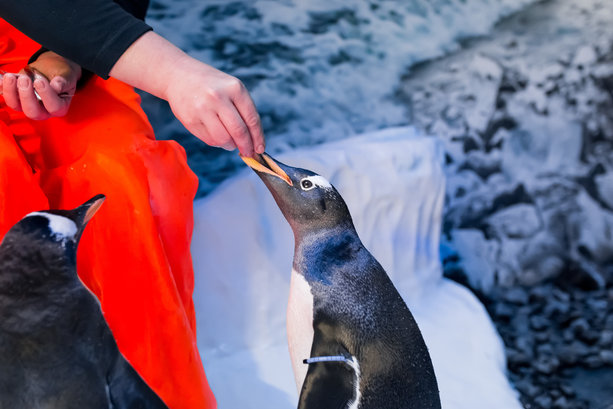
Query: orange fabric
134, 254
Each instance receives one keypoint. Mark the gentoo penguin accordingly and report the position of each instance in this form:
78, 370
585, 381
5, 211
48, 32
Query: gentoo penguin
353, 342
56, 349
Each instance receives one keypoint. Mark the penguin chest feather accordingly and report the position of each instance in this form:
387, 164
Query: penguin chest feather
299, 325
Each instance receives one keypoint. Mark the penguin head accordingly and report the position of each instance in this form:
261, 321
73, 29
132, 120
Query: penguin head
307, 200
54, 228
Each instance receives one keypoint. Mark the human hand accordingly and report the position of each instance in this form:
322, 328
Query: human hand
32, 92
215, 107
212, 105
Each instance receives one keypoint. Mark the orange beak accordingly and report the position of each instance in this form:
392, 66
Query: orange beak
265, 164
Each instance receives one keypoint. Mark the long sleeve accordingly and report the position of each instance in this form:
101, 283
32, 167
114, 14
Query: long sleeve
92, 33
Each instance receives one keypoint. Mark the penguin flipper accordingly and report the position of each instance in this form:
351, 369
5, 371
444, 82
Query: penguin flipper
328, 385
128, 390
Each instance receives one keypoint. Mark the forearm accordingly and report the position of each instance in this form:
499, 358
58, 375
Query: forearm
211, 104
150, 63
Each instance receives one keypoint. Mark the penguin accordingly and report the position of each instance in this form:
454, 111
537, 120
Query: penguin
353, 342
56, 349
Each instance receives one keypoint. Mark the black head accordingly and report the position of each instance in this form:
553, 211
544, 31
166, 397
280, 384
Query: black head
53, 229
307, 200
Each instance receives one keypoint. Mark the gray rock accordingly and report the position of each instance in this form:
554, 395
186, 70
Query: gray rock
518, 221
516, 295
539, 323
609, 322
561, 403
543, 401
585, 57
547, 364
567, 390
503, 311
593, 361
606, 355
606, 338
580, 325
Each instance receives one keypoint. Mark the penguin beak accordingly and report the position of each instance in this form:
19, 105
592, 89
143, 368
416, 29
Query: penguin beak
92, 206
266, 164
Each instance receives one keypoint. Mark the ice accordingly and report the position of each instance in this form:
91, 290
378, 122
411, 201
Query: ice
393, 184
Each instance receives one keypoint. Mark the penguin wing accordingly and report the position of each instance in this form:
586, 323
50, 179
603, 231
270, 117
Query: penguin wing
128, 390
328, 385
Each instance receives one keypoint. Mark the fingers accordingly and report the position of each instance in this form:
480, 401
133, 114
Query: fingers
250, 118
218, 134
30, 105
55, 104
236, 129
37, 99
9, 91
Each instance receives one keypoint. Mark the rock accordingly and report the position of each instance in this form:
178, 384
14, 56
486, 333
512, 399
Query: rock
585, 57
516, 358
571, 354
604, 185
609, 323
567, 390
580, 325
546, 364
503, 311
606, 356
606, 338
478, 257
541, 336
539, 293
486, 78
561, 403
555, 308
518, 221
527, 388
524, 344
593, 361
590, 336
516, 295
543, 401
539, 323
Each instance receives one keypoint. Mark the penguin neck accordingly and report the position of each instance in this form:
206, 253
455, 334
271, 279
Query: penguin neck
317, 251
28, 269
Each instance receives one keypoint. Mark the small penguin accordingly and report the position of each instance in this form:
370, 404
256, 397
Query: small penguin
353, 342
56, 349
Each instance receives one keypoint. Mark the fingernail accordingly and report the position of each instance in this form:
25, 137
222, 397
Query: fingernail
40, 84
260, 149
60, 82
23, 82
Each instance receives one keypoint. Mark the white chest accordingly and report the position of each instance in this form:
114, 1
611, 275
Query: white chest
299, 325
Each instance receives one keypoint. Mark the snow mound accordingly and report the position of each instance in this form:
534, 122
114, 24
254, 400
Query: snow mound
394, 186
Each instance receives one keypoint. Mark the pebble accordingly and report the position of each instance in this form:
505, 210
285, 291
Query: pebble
561, 403
546, 365
543, 401
606, 356
539, 323
516, 295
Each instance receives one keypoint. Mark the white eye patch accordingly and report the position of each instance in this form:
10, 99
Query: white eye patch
311, 182
61, 227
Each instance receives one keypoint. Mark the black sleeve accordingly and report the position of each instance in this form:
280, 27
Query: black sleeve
92, 33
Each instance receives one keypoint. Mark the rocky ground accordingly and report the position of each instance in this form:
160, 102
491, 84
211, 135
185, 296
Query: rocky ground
527, 119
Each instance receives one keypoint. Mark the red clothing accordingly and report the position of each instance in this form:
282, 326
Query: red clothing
134, 254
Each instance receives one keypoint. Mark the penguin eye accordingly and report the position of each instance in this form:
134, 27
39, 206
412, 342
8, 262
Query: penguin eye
306, 184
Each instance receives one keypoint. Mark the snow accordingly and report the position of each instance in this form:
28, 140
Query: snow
393, 183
